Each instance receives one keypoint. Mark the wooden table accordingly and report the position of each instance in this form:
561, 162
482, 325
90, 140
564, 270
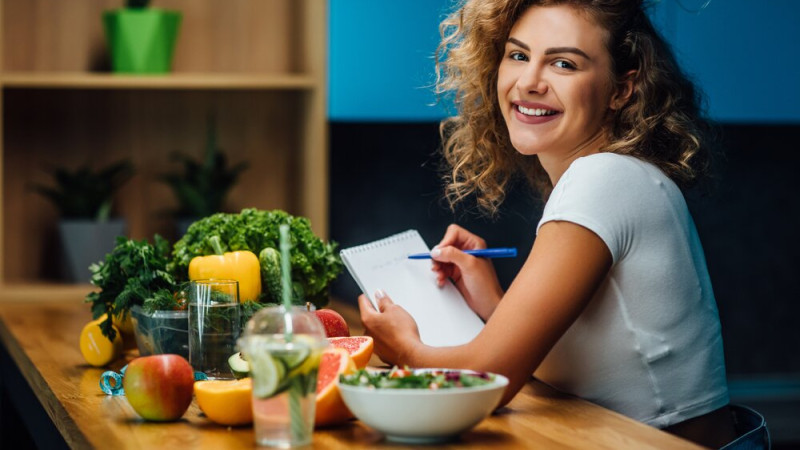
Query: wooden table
41, 357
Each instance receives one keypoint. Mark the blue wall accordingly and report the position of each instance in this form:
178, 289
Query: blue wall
742, 53
381, 59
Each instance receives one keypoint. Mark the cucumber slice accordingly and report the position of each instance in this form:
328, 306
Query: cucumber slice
295, 353
239, 366
296, 356
268, 374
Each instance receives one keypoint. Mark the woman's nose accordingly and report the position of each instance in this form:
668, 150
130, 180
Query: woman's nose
531, 80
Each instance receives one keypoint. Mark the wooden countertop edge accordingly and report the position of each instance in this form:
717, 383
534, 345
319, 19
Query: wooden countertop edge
52, 405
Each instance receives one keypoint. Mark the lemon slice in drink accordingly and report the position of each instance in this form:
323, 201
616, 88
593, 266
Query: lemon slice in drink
274, 365
266, 373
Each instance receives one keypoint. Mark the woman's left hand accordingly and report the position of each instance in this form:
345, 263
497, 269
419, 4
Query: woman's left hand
392, 328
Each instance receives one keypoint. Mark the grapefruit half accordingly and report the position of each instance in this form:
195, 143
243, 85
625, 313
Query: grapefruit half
330, 408
359, 347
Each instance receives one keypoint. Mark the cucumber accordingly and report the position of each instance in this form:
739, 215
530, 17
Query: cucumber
239, 366
270, 262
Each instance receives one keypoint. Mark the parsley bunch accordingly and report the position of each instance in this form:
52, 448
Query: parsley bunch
134, 273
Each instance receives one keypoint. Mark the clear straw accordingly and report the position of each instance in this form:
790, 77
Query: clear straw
298, 423
286, 278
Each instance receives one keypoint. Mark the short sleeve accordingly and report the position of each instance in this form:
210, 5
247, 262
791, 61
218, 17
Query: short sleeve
603, 193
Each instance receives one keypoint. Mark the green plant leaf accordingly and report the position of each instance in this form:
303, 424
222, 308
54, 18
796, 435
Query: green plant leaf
203, 185
84, 193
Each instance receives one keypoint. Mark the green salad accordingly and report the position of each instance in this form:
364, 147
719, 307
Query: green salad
406, 378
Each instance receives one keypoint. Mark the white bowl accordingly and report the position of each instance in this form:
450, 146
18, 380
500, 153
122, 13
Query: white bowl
423, 415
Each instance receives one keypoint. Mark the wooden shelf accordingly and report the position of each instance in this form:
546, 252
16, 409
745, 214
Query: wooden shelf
259, 67
203, 81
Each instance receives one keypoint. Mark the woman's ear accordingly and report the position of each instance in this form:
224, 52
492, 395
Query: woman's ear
624, 91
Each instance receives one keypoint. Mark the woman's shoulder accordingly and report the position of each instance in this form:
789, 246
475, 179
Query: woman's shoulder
614, 171
614, 181
606, 161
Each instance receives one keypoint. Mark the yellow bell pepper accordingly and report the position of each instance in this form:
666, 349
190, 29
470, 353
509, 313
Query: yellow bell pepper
242, 266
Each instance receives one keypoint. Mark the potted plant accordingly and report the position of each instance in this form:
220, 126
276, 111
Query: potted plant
84, 199
141, 39
202, 185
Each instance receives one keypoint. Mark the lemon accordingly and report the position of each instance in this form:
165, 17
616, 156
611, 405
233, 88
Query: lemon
96, 349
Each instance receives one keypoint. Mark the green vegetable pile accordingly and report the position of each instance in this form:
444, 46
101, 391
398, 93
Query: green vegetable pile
314, 263
137, 272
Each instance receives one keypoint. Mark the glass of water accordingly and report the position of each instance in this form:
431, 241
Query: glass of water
214, 326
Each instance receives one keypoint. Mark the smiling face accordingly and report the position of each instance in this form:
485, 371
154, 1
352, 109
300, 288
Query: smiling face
554, 84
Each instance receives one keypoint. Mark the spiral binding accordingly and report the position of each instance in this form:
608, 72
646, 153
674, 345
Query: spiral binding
393, 239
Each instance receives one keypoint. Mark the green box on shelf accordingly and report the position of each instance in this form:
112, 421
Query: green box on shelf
141, 40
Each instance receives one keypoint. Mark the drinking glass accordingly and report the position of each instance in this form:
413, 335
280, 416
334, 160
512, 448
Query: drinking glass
284, 349
214, 326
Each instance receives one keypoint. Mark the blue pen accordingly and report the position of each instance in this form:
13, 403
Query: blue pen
505, 252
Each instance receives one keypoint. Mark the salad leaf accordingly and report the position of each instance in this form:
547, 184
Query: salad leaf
397, 378
134, 273
314, 263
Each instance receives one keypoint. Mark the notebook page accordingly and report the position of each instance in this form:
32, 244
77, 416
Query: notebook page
442, 314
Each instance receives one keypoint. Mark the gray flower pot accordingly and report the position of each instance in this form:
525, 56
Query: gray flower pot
84, 242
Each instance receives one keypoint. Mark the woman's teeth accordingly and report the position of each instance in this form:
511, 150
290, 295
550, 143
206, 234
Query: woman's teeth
535, 111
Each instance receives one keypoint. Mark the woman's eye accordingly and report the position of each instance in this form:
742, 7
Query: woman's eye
561, 64
518, 56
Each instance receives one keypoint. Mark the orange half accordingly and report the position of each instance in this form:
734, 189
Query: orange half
226, 402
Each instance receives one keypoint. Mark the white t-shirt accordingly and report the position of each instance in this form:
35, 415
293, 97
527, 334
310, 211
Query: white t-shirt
648, 345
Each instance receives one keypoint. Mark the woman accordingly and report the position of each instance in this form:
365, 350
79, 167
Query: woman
614, 303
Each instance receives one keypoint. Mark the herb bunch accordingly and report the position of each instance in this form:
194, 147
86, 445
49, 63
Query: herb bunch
134, 273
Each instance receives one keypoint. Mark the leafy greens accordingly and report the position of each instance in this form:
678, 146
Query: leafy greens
134, 273
314, 263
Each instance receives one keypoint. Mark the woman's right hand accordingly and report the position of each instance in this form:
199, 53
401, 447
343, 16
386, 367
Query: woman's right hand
474, 277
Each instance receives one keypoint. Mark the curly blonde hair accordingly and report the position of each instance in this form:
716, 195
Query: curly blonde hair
661, 123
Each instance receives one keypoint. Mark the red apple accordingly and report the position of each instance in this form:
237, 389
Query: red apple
159, 387
334, 323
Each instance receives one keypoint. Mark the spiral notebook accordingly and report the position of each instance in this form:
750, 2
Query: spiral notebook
441, 313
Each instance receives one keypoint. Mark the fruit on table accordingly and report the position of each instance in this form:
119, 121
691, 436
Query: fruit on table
96, 349
330, 408
226, 402
159, 387
359, 347
334, 323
